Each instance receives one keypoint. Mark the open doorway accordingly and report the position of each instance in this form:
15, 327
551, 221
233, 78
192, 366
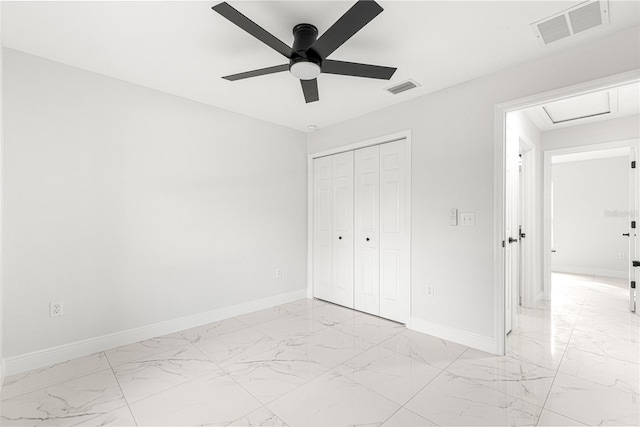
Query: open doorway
590, 199
590, 202
587, 119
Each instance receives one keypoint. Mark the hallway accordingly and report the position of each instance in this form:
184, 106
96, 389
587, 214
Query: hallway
587, 335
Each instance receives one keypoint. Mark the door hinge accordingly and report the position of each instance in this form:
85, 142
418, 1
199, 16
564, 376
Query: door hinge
503, 243
633, 164
633, 284
633, 224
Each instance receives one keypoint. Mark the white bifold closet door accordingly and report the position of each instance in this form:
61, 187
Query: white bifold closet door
381, 231
333, 228
366, 235
394, 232
343, 229
361, 251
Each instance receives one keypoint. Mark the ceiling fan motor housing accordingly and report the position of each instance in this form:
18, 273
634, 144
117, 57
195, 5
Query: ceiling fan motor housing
305, 63
304, 36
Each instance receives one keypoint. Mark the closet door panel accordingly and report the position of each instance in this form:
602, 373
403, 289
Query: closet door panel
366, 236
343, 229
323, 228
394, 257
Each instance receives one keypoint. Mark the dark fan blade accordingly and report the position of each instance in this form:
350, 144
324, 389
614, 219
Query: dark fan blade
260, 72
310, 90
357, 70
350, 23
252, 28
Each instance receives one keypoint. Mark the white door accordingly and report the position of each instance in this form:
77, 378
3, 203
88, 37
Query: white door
323, 228
634, 242
343, 229
511, 224
367, 250
394, 237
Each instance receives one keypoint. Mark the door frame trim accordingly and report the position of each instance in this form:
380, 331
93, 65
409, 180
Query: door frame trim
499, 199
396, 136
529, 221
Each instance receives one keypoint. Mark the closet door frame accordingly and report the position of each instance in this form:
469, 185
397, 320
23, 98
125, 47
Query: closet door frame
402, 135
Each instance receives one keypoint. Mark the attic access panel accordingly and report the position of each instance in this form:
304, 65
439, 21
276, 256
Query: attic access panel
578, 107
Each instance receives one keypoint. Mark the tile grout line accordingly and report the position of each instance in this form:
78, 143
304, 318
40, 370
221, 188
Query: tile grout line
280, 341
227, 373
124, 397
332, 369
425, 386
173, 386
544, 404
64, 380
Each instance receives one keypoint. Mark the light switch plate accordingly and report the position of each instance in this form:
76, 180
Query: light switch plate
468, 218
453, 216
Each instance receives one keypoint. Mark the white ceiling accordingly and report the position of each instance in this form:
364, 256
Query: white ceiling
183, 48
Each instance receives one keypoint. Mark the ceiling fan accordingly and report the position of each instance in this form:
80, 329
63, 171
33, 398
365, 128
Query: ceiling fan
308, 56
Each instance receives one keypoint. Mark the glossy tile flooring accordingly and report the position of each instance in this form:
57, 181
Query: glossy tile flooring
574, 361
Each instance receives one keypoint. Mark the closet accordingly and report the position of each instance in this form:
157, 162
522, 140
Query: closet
360, 229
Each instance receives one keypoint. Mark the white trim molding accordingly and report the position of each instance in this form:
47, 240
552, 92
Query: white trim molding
460, 336
501, 111
584, 271
61, 353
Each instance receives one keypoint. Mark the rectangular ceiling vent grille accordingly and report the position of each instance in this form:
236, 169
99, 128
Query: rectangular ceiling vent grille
586, 17
402, 87
577, 19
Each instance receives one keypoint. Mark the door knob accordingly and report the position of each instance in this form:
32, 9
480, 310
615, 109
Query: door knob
339, 237
512, 240
625, 234
367, 239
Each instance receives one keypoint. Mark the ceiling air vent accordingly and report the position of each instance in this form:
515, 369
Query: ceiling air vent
577, 19
402, 87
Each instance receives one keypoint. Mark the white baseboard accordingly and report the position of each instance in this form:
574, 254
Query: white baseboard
62, 353
460, 336
590, 271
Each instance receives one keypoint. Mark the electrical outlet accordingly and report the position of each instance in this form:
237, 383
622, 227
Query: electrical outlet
429, 291
55, 309
278, 273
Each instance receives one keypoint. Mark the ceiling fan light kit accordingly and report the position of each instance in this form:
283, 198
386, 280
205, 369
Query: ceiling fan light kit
308, 55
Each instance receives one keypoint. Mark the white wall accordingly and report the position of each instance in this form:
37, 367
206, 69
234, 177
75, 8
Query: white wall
594, 133
587, 230
136, 207
452, 166
1, 209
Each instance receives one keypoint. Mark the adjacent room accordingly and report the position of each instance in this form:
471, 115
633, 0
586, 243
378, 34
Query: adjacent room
305, 213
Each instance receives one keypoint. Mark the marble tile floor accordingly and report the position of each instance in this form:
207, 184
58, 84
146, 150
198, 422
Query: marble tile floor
572, 361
